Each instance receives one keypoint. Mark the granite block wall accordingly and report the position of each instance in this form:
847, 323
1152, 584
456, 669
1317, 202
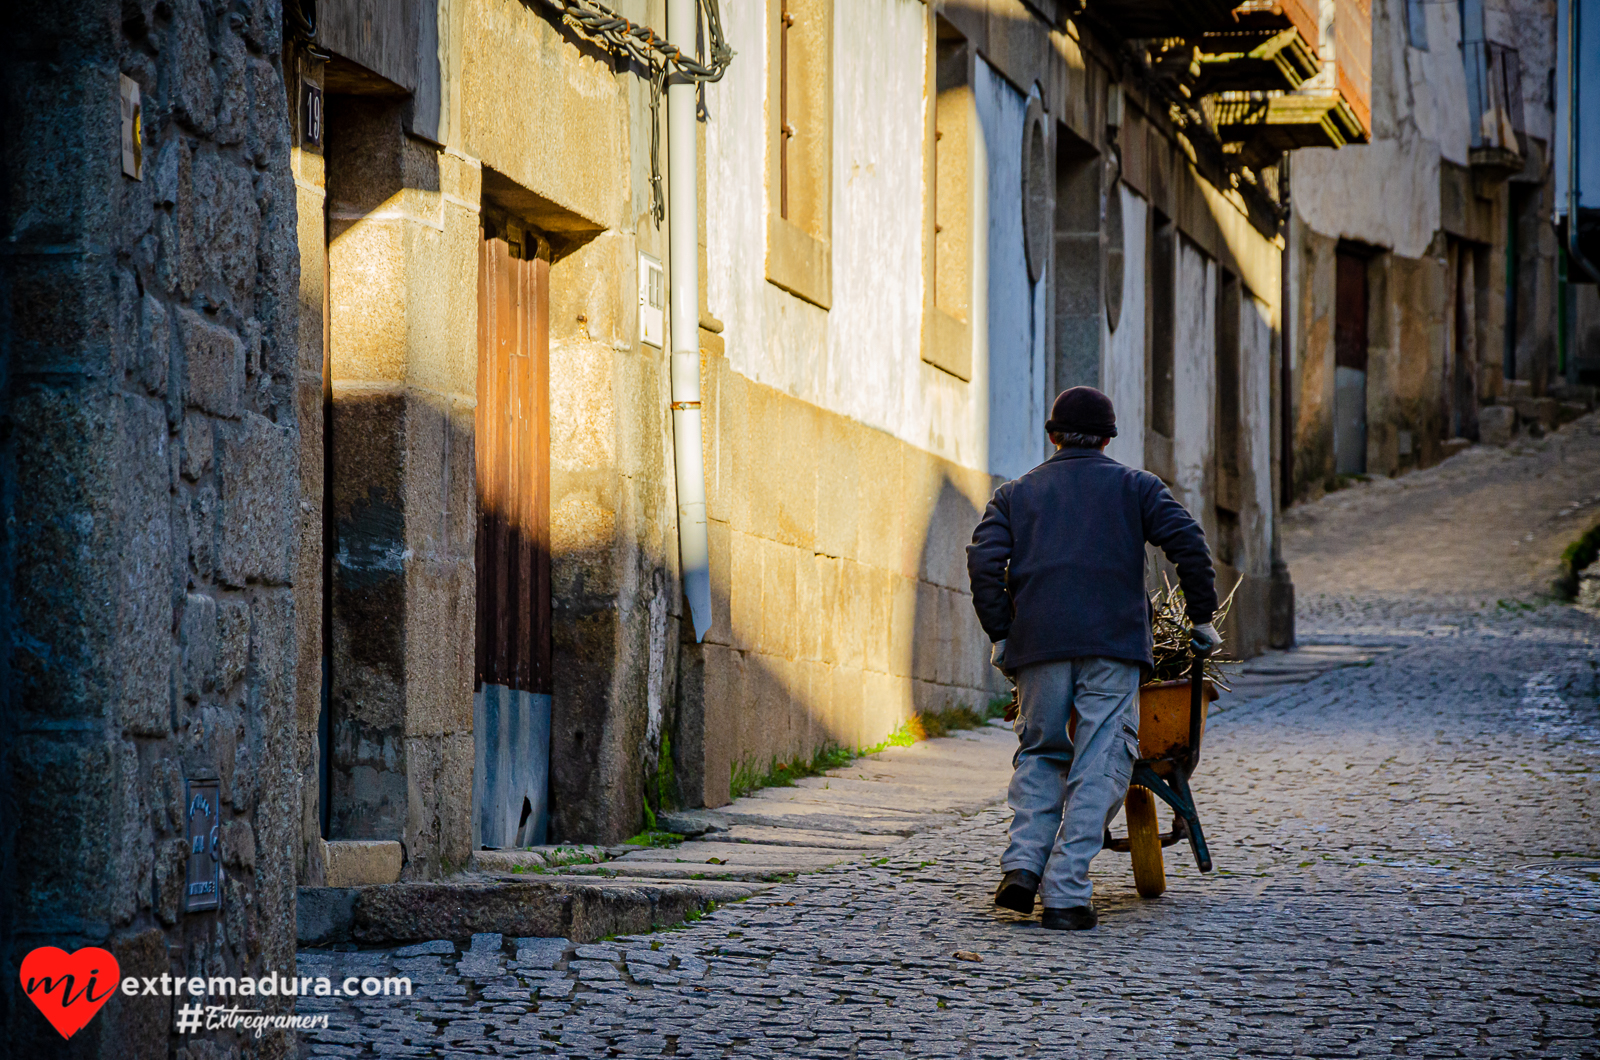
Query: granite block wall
148, 487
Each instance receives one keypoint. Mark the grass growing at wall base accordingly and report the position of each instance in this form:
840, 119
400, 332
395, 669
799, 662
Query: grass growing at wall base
1579, 555
748, 777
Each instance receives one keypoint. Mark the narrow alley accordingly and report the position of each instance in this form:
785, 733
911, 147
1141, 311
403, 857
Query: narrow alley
635, 528
1402, 814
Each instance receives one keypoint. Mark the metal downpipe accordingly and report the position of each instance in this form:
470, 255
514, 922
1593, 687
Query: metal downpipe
683, 223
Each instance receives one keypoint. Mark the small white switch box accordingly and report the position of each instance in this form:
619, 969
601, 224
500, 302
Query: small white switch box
652, 301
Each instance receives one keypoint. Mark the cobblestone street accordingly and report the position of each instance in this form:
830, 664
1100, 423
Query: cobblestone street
1406, 865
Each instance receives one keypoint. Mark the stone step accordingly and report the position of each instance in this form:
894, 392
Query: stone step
668, 871
798, 837
786, 815
713, 860
577, 907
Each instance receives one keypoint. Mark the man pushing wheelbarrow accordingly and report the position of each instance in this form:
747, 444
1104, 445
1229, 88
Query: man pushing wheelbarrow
1057, 569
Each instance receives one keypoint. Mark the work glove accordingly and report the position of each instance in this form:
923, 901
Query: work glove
997, 655
1205, 639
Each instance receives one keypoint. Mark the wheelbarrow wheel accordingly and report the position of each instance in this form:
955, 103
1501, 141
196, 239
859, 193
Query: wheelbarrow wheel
1144, 843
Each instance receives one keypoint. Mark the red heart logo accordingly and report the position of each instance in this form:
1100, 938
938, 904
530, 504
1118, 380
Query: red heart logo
69, 988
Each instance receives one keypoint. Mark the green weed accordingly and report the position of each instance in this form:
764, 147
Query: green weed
651, 837
929, 725
1577, 556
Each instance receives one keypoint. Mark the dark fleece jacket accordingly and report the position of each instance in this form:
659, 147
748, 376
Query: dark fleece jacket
1057, 563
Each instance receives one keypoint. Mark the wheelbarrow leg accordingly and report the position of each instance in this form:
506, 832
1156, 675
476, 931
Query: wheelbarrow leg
1197, 838
1178, 796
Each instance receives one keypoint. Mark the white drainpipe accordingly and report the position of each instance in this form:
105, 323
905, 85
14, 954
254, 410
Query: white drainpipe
683, 224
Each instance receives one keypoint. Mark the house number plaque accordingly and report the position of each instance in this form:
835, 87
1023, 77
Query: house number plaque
201, 888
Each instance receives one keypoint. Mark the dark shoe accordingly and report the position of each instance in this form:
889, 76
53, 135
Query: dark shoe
1017, 889
1077, 918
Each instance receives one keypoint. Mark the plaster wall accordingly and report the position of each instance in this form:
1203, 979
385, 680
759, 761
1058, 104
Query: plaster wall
1194, 378
1017, 367
861, 356
1122, 370
1257, 337
840, 601
1530, 27
1386, 192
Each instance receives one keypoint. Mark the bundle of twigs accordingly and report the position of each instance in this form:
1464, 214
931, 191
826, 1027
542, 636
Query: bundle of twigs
1171, 630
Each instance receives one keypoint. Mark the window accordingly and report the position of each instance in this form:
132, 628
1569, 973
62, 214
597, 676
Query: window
947, 333
1161, 336
1160, 342
1079, 302
1417, 23
800, 151
1229, 407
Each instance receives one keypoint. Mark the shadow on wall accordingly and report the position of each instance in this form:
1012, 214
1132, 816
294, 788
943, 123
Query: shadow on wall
812, 649
397, 498
399, 695
949, 650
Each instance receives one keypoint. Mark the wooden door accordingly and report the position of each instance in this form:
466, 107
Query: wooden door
513, 465
1350, 364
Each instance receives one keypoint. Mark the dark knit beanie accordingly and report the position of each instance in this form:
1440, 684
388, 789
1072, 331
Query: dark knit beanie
1082, 410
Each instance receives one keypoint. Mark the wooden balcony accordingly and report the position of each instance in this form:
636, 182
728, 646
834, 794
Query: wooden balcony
1279, 14
1255, 60
1189, 19
1494, 90
1267, 125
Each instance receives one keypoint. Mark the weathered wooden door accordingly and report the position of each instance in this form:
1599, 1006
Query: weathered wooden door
1350, 364
512, 701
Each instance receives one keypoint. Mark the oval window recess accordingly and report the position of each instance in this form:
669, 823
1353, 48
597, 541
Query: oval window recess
1035, 189
1111, 226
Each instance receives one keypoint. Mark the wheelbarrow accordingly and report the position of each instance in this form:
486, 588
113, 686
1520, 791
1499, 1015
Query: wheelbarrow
1172, 719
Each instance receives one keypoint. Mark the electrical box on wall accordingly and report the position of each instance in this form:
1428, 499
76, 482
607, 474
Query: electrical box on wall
652, 301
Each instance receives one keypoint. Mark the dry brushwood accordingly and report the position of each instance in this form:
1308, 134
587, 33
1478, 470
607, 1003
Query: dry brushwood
1171, 631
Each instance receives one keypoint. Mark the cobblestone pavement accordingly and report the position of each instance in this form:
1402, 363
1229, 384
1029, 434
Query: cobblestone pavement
1407, 864
1485, 526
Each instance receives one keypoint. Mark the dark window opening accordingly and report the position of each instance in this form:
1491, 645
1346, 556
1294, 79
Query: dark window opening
1163, 323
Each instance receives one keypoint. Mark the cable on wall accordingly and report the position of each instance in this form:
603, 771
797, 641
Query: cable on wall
596, 20
658, 55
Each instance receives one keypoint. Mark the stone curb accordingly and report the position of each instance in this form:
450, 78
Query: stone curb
582, 909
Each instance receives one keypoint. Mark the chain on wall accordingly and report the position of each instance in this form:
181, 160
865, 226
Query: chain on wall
658, 55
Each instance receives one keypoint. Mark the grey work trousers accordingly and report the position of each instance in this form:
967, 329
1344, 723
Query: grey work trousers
1085, 776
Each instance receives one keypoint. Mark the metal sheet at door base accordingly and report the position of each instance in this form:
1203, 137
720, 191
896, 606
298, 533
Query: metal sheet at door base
511, 775
1350, 421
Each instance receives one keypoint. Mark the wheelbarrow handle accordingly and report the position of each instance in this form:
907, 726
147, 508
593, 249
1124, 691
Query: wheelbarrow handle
1197, 692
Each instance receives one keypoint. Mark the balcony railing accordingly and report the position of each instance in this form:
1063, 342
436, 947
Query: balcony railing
1494, 91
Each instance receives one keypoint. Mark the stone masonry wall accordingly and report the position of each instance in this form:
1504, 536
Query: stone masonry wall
815, 514
148, 476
